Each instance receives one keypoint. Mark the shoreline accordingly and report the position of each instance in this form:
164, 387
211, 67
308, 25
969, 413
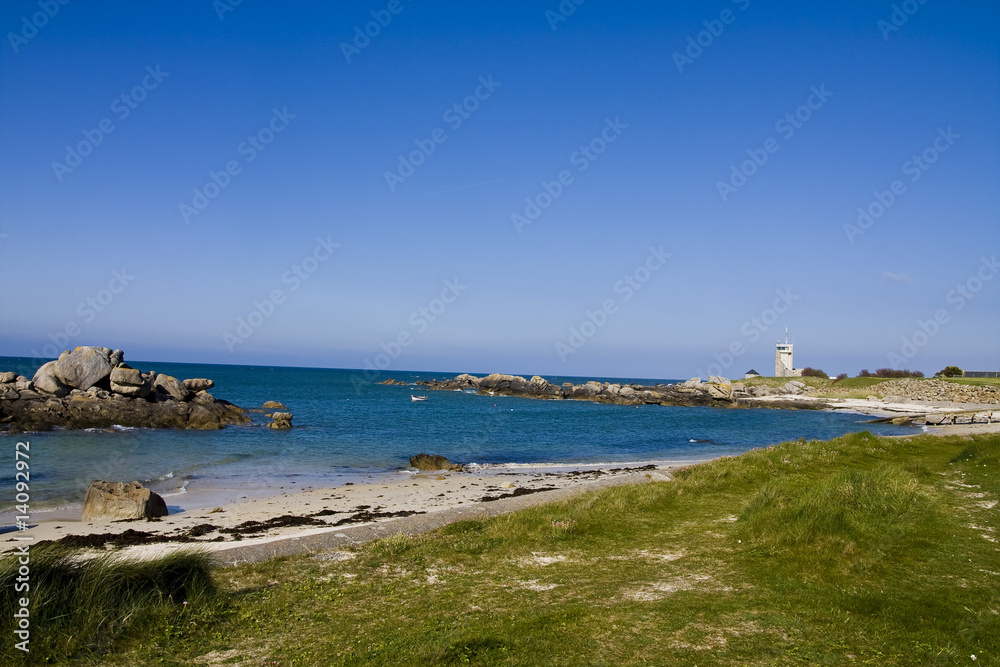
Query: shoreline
258, 520
335, 515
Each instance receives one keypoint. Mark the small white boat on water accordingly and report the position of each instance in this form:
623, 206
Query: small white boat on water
417, 398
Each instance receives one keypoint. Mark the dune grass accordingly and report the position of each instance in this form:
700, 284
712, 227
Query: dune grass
82, 607
856, 551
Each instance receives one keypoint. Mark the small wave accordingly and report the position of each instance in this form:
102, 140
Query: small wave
181, 491
578, 465
106, 429
704, 441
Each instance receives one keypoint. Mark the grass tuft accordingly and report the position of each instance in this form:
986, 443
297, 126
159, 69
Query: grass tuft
83, 606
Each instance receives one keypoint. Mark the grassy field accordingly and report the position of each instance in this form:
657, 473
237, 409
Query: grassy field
856, 551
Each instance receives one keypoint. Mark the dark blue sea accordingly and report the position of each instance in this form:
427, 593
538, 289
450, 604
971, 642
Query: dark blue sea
348, 428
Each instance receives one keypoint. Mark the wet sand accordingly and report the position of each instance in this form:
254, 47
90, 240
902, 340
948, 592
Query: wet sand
253, 529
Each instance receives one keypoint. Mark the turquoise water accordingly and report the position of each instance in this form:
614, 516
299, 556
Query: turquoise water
346, 427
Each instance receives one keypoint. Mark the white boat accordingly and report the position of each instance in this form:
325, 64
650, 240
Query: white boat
417, 398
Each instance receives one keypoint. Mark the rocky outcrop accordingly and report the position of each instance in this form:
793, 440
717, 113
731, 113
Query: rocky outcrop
93, 387
692, 392
280, 420
273, 405
120, 501
433, 462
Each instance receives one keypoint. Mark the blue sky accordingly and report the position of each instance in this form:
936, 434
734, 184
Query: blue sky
643, 124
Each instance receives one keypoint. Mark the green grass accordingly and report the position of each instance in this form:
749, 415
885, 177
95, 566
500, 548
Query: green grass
856, 551
83, 607
861, 383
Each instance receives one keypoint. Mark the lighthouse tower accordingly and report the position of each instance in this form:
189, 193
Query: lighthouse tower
783, 366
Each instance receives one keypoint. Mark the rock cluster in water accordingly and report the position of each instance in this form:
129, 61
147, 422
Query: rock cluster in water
93, 387
716, 392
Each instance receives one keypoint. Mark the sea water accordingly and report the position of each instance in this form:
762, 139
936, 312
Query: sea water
349, 428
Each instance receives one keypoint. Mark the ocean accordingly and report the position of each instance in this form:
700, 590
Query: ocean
347, 428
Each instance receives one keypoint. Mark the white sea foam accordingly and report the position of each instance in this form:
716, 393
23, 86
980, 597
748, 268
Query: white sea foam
486, 467
181, 491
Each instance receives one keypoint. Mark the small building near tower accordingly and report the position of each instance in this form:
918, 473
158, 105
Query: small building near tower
783, 365
750, 374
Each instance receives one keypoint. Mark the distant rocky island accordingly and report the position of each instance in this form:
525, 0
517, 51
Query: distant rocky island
717, 391
920, 402
93, 387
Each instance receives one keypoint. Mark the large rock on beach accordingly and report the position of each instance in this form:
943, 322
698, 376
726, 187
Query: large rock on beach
432, 462
117, 501
7, 377
84, 367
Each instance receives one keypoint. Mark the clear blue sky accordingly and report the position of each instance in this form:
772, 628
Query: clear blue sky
662, 132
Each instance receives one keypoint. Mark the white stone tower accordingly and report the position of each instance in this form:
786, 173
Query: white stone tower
783, 366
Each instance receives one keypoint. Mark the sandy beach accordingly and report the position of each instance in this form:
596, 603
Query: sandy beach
251, 529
